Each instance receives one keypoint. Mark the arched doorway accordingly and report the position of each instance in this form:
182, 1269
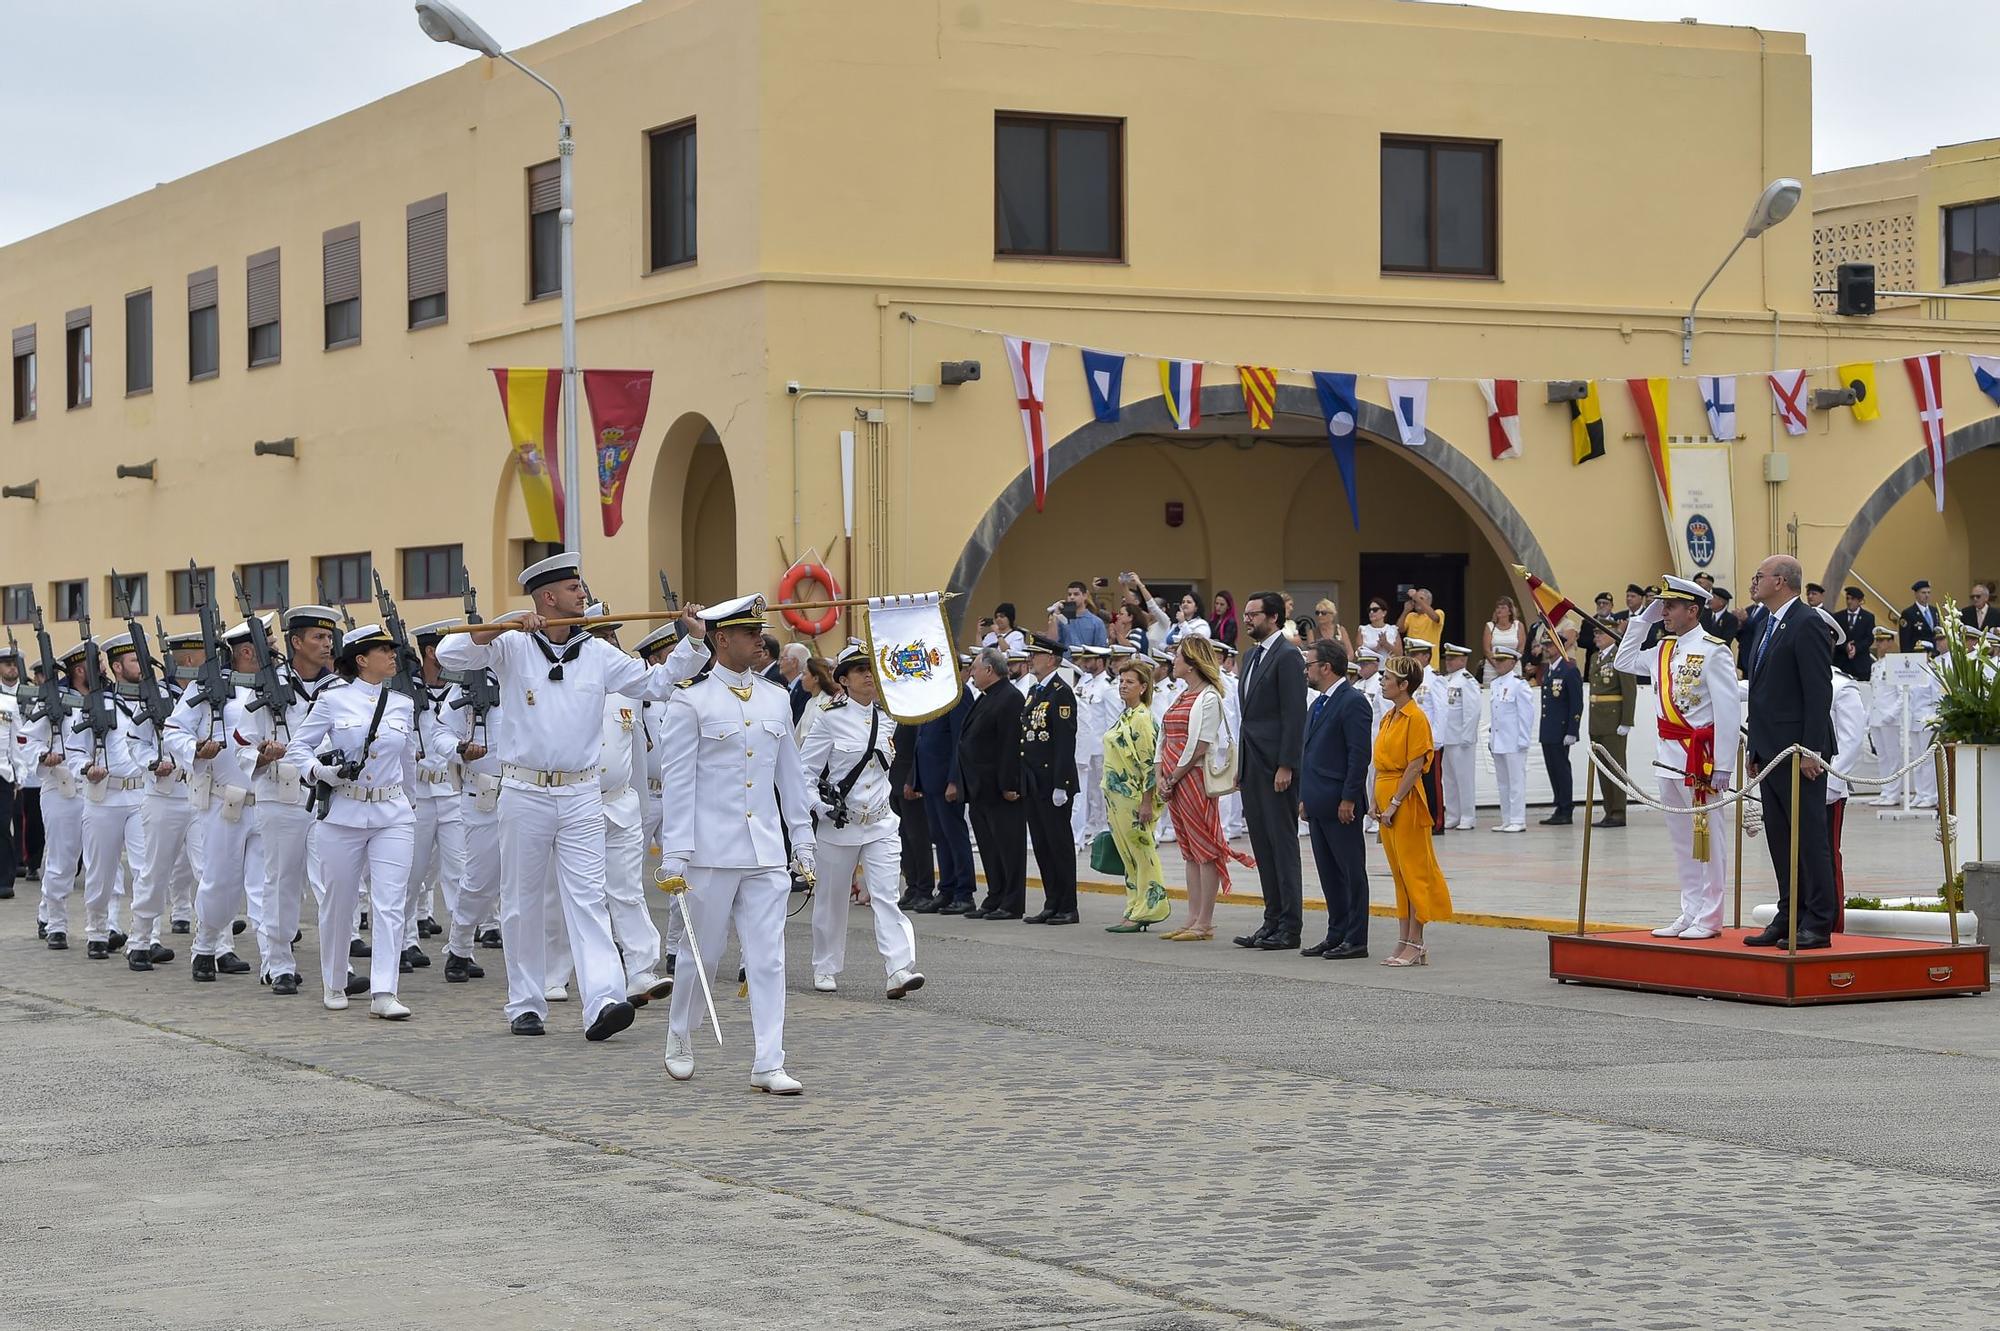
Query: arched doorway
1254, 509
691, 512
1899, 536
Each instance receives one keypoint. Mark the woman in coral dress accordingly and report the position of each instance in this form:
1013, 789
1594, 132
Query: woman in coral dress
1402, 753
1191, 729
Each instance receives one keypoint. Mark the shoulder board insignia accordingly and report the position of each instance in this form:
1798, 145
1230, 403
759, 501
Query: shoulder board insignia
1719, 642
687, 683
837, 702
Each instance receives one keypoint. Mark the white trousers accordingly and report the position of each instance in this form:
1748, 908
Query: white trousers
1086, 810
232, 878
632, 926
1924, 779
479, 886
62, 847
439, 858
1511, 771
565, 826
1888, 744
197, 842
1701, 884
1461, 784
384, 853
754, 901
166, 877
110, 832
879, 860
670, 937
285, 831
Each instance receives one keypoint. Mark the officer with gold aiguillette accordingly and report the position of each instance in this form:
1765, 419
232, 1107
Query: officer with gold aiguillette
1048, 779
1701, 713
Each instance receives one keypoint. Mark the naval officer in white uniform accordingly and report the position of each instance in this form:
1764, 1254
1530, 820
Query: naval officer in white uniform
731, 772
552, 687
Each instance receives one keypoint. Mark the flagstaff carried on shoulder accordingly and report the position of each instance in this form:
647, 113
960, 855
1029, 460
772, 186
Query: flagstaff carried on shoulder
586, 621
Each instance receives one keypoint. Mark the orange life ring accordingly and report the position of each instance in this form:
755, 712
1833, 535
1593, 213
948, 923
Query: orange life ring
788, 587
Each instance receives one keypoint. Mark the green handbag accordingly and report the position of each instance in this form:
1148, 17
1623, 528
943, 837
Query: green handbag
1104, 856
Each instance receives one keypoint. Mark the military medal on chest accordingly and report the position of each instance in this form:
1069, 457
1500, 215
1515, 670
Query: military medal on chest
531, 698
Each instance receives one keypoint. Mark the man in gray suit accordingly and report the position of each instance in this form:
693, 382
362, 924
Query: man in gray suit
1272, 697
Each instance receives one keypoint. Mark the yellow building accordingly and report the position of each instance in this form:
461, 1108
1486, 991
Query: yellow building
1345, 185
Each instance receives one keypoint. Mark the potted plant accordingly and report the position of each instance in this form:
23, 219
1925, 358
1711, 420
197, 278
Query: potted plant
1968, 723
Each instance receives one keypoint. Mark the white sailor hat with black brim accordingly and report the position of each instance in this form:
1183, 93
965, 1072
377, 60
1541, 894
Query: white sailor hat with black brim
362, 637
1418, 645
1682, 589
433, 631
744, 612
1826, 618
596, 610
187, 641
556, 568
511, 617
115, 646
241, 632
300, 618
1453, 649
852, 657
664, 636
1502, 652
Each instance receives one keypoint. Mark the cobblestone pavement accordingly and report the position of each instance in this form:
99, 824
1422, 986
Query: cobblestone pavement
1064, 1129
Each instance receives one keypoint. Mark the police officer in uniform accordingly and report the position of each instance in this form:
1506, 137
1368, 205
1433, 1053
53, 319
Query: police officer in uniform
1048, 780
1562, 710
1614, 703
731, 774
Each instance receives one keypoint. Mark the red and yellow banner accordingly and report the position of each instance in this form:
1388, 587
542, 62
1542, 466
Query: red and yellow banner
1260, 393
1649, 399
530, 398
617, 401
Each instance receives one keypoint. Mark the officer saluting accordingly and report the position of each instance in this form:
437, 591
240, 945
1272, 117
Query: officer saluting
731, 772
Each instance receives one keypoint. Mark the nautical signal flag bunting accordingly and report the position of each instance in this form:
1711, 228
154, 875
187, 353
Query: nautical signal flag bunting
1586, 425
1260, 394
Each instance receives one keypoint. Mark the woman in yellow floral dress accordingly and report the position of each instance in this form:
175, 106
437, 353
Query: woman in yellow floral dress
1131, 799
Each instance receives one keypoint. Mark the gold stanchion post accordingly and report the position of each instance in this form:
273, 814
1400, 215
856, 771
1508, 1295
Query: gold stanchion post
1944, 835
1589, 790
1792, 939
1741, 794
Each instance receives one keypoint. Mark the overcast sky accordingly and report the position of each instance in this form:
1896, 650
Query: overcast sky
102, 99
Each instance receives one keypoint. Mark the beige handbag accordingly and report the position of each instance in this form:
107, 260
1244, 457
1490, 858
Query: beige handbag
1219, 778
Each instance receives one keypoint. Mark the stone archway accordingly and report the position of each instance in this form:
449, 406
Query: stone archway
1957, 444
1456, 473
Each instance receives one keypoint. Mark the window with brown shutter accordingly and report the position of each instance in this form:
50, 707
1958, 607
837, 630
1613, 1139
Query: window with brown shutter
426, 234
204, 331
340, 283
24, 373
139, 342
76, 357
544, 231
260, 303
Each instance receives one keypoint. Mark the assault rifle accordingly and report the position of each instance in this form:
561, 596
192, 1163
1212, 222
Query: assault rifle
478, 689
153, 699
49, 699
273, 695
212, 677
409, 662
100, 713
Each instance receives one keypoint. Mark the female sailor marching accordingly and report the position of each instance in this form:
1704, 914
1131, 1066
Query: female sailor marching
846, 759
361, 740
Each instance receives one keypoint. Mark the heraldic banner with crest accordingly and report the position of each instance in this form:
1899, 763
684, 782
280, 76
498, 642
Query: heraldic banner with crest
1703, 535
909, 645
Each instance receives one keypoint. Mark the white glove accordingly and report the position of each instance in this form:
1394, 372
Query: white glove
1653, 613
802, 859
1624, 730
1060, 798
672, 867
1568, 740
328, 774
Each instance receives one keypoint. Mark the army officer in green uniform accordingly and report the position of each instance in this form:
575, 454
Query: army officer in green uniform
1614, 701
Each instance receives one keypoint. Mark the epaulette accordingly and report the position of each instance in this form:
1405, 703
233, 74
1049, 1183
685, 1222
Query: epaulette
689, 682
1719, 642
832, 703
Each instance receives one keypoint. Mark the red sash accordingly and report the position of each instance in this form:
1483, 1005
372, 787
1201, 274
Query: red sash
1698, 741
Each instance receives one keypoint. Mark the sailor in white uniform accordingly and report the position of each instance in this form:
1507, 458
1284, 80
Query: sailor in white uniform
552, 687
653, 650
113, 790
361, 741
731, 773
474, 727
61, 754
1885, 719
437, 859
846, 760
163, 879
622, 762
1094, 717
1458, 734
1509, 731
1925, 690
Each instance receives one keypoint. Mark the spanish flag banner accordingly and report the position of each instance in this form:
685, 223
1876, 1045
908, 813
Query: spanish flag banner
1260, 393
1586, 425
1552, 604
1860, 377
530, 398
1649, 399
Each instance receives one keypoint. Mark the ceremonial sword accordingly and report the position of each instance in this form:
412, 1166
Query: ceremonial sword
677, 888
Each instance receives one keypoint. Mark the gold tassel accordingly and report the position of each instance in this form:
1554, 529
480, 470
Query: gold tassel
1701, 836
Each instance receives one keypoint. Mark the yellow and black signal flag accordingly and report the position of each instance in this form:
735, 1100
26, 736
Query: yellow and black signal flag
1586, 425
1260, 393
1860, 377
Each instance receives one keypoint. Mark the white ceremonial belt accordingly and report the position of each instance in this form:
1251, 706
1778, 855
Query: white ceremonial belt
655, 784
111, 783
370, 794
613, 792
529, 776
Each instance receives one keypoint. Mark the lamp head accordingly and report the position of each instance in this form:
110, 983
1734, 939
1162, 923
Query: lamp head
442, 22
1774, 205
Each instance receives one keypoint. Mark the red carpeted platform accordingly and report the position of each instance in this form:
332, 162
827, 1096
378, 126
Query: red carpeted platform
1855, 968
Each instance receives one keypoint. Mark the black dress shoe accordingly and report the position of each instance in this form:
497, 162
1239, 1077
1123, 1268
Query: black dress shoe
183, 927
1278, 943
35, 874
1064, 917
1556, 820
237, 926
116, 942
615, 1018
359, 948
1319, 949
976, 913
1610, 822
96, 951
58, 941
526, 1024
7, 890
672, 957
428, 928
1039, 917
159, 954
41, 930
1813, 940
956, 908
228, 963
1773, 936
1004, 914
204, 969
403, 964
285, 984
1250, 940
488, 938
297, 934
138, 961
356, 985
926, 906
457, 969
416, 956
1345, 952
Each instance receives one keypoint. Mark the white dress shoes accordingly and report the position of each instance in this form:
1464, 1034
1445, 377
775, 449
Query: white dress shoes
556, 993
680, 1056
643, 988
1694, 933
777, 1082
904, 982
387, 1008
824, 983
1672, 930
333, 1000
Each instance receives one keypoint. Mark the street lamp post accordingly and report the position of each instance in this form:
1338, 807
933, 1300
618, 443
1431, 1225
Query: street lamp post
1774, 205
442, 21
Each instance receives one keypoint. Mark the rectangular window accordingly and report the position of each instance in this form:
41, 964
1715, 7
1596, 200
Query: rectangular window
17, 604
340, 284
1972, 242
1059, 187
126, 594
345, 578
534, 552
425, 234
544, 231
432, 572
671, 194
191, 586
1440, 206
204, 331
71, 600
76, 357
267, 585
139, 342
24, 373
261, 306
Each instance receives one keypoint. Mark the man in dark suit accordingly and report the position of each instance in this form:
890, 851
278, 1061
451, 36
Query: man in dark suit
1920, 619
1790, 662
1333, 791
1048, 779
1272, 702
1718, 620
989, 775
1982, 614
944, 811
1562, 715
919, 874
1852, 657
